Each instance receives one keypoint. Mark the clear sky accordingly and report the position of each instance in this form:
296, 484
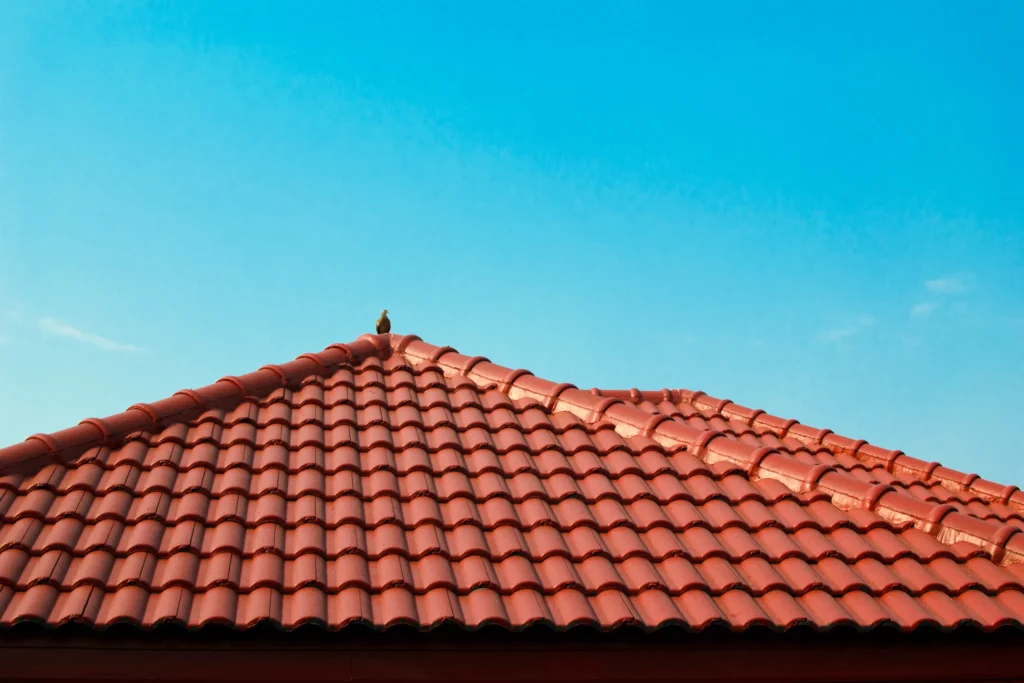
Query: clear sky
812, 208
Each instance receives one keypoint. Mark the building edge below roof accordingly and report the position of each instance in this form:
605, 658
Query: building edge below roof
532, 654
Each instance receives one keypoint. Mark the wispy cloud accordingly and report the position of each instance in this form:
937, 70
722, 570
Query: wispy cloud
951, 284
923, 309
61, 329
855, 327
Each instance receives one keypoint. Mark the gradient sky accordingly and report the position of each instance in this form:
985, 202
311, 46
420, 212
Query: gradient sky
811, 208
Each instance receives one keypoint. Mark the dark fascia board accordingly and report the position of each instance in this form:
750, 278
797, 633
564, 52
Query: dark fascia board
537, 654
452, 635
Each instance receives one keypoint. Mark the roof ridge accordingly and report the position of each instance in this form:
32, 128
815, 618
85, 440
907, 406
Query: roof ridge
1004, 543
892, 460
179, 406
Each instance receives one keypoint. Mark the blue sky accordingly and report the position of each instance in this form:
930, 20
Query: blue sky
811, 208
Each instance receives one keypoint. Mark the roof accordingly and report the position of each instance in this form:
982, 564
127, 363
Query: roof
390, 481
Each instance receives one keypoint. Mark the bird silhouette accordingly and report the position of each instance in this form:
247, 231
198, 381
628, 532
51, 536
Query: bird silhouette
383, 324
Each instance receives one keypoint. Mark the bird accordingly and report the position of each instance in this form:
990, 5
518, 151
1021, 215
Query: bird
383, 324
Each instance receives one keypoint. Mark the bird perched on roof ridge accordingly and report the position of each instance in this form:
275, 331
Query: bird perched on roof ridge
383, 324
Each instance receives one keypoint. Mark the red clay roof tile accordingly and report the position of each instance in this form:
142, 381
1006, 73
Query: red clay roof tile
391, 481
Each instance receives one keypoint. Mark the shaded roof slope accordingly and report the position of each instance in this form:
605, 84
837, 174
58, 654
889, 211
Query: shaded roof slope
392, 481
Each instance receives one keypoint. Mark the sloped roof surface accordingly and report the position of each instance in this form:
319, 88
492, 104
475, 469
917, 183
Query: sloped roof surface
392, 481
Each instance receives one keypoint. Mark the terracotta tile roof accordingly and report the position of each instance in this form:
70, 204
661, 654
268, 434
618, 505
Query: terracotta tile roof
392, 481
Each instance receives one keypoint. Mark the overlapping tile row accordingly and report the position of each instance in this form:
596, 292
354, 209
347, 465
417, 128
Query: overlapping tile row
563, 608
926, 481
390, 567
397, 491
